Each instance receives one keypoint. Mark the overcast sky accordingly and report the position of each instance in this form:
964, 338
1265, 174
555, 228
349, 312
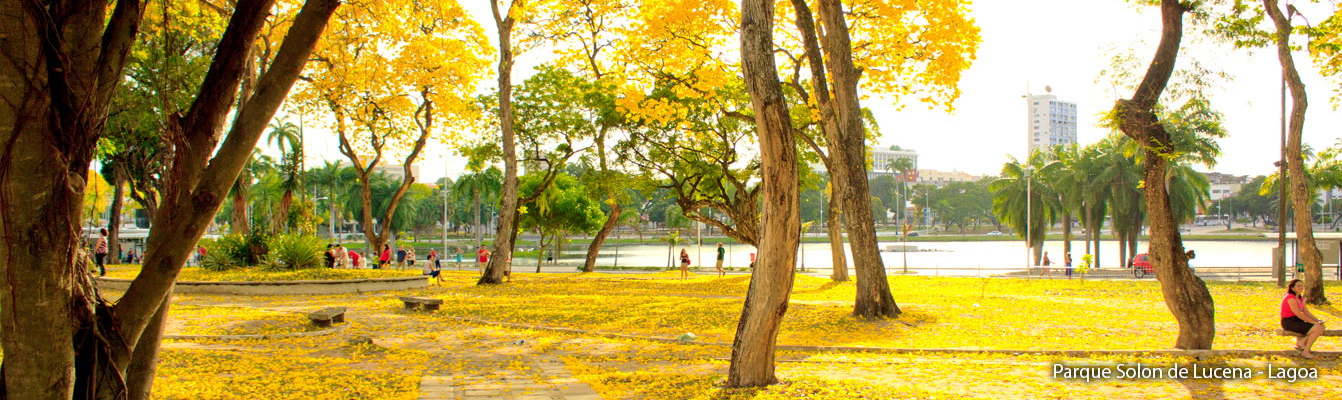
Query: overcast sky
1063, 44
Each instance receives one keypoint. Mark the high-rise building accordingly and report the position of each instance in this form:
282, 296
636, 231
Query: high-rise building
1052, 122
881, 161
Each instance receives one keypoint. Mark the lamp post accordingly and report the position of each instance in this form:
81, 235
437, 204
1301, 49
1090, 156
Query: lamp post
1029, 113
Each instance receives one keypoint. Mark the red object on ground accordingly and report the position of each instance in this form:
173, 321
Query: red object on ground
1143, 262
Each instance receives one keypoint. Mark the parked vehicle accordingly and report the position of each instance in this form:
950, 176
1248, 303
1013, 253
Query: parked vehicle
994, 233
1141, 266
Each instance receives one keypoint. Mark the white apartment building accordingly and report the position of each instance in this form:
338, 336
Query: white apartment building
1052, 122
881, 158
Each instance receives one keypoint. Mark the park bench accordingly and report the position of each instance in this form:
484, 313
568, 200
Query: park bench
327, 316
1328, 332
421, 303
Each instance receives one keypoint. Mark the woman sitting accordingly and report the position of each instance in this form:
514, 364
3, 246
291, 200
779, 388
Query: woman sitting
1295, 317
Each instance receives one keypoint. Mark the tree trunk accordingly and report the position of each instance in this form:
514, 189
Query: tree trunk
1301, 197
834, 224
144, 360
1123, 249
286, 201
66, 83
767, 298
477, 230
372, 238
114, 215
239, 222
830, 125
1185, 294
503, 237
594, 248
1066, 234
873, 290
1132, 249
540, 250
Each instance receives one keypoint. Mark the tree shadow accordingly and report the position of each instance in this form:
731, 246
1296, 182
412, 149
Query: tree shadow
1330, 310
827, 286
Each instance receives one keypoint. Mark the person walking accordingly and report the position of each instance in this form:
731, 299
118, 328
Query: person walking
684, 264
384, 260
1295, 317
722, 253
400, 258
482, 259
100, 252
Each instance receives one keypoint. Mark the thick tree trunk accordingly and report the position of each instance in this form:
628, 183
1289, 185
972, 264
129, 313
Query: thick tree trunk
1185, 294
873, 290
1301, 197
286, 201
373, 238
144, 360
65, 84
830, 125
1132, 248
767, 298
477, 230
503, 237
611, 221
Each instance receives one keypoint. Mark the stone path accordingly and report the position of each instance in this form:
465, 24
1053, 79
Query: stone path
553, 382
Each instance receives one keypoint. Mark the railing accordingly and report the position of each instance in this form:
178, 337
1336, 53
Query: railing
1221, 274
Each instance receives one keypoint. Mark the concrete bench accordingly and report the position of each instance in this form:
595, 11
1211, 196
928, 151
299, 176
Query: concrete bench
1327, 332
421, 303
327, 316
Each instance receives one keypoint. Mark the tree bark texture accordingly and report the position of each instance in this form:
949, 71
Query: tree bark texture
834, 224
611, 221
1301, 197
503, 236
1185, 294
239, 222
830, 126
62, 66
114, 214
771, 284
873, 290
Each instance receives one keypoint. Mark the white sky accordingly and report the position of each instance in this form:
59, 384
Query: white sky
1060, 43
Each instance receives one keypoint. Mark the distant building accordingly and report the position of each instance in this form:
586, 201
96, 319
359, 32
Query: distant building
1052, 122
941, 178
881, 158
1224, 185
396, 172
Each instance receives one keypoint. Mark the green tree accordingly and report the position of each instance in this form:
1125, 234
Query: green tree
1023, 200
563, 207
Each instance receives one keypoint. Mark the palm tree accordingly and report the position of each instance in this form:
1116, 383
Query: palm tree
1069, 181
335, 179
479, 185
902, 166
240, 194
281, 133
1023, 201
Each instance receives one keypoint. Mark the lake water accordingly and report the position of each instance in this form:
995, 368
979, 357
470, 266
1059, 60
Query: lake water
952, 258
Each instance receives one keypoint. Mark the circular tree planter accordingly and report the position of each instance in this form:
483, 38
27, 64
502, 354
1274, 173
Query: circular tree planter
280, 287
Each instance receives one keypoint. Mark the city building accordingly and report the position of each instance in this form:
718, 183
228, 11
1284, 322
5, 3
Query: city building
882, 158
1224, 186
941, 178
1052, 122
396, 172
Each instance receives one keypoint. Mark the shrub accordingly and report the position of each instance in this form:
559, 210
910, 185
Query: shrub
296, 252
235, 250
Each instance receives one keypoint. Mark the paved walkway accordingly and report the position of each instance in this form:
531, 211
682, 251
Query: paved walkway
551, 382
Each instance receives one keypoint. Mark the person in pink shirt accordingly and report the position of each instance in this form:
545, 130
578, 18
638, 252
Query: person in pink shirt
1295, 317
384, 260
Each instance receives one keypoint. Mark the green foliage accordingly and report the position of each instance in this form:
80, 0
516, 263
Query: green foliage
236, 250
293, 252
